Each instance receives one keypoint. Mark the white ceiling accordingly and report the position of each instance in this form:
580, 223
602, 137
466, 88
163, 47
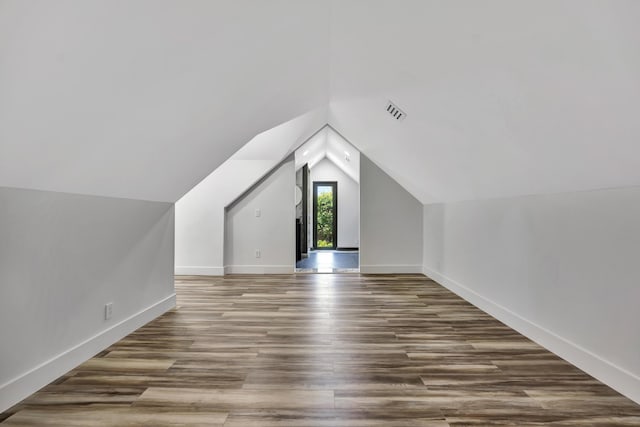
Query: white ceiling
313, 150
278, 142
329, 144
143, 99
503, 98
252, 162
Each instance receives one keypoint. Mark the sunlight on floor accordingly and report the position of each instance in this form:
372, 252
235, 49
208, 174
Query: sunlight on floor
325, 262
329, 261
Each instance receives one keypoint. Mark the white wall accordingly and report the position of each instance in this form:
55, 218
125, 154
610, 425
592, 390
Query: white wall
273, 232
390, 224
562, 269
200, 216
62, 258
348, 201
200, 213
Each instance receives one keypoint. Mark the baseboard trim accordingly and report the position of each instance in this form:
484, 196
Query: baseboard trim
23, 386
259, 269
614, 376
391, 269
194, 270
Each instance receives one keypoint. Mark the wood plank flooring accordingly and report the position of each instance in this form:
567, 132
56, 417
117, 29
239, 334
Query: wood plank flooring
324, 350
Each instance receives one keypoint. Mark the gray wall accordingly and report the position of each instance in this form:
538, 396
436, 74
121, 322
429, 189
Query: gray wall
273, 233
390, 224
563, 269
62, 258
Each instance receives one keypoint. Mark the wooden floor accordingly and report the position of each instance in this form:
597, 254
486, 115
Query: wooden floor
324, 350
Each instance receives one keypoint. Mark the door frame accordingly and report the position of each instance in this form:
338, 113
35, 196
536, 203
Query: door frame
305, 208
334, 185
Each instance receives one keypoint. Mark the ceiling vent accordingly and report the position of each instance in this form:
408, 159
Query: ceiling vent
395, 112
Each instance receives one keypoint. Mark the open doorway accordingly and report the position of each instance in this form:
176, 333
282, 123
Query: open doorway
327, 205
325, 215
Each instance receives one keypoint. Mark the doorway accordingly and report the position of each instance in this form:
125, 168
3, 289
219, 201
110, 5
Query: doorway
325, 215
327, 229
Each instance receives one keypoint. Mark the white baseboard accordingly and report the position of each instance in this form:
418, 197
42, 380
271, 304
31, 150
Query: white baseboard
194, 270
28, 383
259, 269
614, 376
391, 269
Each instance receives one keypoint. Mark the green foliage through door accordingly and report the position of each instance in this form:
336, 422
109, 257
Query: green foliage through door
325, 220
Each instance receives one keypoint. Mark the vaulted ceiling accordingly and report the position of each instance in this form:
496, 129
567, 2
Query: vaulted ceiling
143, 99
329, 144
502, 98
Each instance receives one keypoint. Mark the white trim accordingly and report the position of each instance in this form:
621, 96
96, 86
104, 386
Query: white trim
391, 269
259, 269
28, 383
194, 270
614, 376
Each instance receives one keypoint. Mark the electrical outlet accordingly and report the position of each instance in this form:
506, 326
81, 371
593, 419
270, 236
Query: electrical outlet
108, 311
257, 253
258, 213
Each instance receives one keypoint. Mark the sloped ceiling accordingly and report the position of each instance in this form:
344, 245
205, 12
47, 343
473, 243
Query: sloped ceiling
503, 98
143, 99
250, 164
329, 144
278, 142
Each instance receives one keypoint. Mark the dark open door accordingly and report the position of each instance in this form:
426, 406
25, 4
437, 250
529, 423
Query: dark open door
305, 207
325, 214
